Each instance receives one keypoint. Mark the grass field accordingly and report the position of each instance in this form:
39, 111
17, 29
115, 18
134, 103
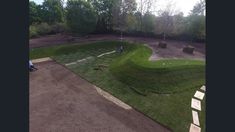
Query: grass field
161, 89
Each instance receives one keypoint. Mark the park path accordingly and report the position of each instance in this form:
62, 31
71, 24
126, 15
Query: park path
61, 101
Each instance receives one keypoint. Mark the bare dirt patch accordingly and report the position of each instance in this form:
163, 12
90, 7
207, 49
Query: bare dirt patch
58, 39
62, 101
174, 48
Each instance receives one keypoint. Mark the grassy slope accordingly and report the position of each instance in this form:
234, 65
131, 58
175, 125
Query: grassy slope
164, 76
86, 49
172, 110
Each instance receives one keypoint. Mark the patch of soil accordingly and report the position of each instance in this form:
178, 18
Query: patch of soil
173, 50
58, 39
61, 101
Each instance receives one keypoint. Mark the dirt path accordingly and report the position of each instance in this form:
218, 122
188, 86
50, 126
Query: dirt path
58, 39
61, 101
173, 50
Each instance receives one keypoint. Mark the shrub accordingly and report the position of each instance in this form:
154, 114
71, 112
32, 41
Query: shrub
43, 29
32, 31
59, 28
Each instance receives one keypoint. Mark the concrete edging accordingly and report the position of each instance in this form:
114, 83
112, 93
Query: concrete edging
196, 105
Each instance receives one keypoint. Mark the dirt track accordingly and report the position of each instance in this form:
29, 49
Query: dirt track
61, 101
173, 50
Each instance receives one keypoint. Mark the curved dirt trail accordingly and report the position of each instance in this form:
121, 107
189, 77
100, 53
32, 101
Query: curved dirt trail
173, 50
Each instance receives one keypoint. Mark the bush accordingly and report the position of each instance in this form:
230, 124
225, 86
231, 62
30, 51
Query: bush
39, 29
32, 31
59, 28
43, 29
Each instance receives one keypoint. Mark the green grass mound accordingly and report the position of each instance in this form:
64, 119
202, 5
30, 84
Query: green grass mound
84, 50
133, 68
163, 76
130, 75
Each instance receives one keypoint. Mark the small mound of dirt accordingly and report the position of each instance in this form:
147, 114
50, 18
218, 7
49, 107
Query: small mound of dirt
188, 49
162, 44
100, 67
70, 39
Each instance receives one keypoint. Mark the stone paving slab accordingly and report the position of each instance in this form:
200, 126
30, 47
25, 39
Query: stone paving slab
41, 60
195, 118
194, 128
199, 95
203, 88
196, 104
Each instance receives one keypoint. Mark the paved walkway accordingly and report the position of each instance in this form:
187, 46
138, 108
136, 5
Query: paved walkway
61, 101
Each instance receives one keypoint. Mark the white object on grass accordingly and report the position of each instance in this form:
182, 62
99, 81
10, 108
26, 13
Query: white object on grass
106, 53
203, 88
196, 104
194, 128
195, 118
199, 95
81, 60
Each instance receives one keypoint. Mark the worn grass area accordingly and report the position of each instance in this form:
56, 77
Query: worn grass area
139, 83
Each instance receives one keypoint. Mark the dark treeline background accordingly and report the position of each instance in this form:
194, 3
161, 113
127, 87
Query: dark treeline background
83, 17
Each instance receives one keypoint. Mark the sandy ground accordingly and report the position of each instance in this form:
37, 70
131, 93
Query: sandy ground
173, 50
61, 101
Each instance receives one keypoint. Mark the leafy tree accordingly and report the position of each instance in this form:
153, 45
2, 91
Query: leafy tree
123, 14
132, 22
52, 11
103, 9
196, 27
113, 13
199, 8
144, 7
196, 21
128, 7
165, 22
116, 11
178, 24
81, 17
138, 18
34, 16
148, 22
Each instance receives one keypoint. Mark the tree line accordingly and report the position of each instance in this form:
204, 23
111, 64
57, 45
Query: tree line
114, 16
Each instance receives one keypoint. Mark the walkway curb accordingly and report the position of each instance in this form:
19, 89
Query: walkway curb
41, 60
